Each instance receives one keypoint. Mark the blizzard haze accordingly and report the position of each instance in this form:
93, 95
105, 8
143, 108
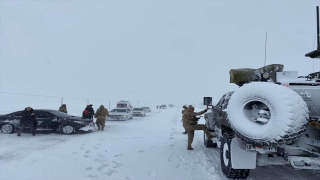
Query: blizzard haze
148, 52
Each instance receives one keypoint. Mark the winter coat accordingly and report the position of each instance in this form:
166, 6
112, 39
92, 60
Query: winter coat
63, 108
91, 112
27, 117
190, 117
101, 113
183, 116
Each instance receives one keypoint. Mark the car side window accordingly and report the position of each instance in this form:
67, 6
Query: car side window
221, 101
42, 115
18, 114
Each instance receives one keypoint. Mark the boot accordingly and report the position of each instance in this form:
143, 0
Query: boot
33, 133
18, 134
184, 132
190, 148
102, 128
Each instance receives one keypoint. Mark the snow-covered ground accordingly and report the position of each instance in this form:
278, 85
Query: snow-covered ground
151, 147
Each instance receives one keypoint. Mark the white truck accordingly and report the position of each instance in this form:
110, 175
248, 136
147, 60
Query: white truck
124, 104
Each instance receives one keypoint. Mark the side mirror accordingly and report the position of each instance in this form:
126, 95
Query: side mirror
207, 101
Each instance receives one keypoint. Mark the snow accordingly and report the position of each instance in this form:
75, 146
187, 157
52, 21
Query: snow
151, 147
144, 148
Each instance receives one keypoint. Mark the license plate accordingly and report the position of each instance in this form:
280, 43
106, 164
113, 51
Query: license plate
312, 142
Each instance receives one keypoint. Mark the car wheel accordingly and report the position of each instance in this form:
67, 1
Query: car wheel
67, 129
8, 128
273, 112
225, 159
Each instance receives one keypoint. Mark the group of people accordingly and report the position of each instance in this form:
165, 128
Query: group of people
88, 113
190, 124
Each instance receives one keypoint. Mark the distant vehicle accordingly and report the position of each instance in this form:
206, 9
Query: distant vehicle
124, 104
163, 106
138, 112
120, 114
171, 105
47, 120
147, 109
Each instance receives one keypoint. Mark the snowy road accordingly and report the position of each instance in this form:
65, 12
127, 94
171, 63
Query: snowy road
150, 147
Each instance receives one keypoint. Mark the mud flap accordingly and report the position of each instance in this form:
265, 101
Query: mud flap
304, 162
240, 158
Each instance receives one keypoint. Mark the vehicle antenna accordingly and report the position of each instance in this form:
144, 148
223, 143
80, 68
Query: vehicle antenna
314, 42
265, 50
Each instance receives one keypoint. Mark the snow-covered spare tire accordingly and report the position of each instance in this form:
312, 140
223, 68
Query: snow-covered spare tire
262, 112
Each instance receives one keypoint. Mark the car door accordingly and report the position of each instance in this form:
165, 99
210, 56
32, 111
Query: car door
44, 120
217, 110
16, 117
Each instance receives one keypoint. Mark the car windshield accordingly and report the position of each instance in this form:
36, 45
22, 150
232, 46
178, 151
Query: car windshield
137, 109
60, 114
118, 110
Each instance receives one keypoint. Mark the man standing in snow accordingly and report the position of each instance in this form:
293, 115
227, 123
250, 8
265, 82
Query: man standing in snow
183, 119
191, 124
63, 108
101, 117
28, 118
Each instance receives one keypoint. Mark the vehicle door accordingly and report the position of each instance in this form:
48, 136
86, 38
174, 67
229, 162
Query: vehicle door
45, 120
16, 117
216, 111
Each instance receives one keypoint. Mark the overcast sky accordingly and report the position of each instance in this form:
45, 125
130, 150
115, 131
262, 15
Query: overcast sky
146, 51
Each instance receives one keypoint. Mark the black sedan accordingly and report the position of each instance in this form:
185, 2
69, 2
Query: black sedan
47, 120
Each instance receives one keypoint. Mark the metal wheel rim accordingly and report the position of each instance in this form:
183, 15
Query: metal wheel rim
224, 153
6, 128
250, 117
67, 129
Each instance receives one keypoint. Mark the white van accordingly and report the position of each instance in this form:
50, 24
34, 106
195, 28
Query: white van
124, 104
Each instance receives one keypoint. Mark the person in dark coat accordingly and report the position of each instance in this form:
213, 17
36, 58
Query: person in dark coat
28, 119
91, 111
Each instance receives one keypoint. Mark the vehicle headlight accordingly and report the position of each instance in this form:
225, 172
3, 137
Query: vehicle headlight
265, 75
79, 122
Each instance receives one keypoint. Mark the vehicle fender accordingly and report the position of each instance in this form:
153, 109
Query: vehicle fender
240, 158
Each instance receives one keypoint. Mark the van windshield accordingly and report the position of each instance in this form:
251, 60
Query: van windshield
121, 105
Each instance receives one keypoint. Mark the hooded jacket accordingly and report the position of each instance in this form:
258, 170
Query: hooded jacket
63, 108
190, 117
101, 113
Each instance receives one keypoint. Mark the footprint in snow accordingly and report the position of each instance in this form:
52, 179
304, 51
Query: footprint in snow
152, 174
81, 148
101, 167
118, 155
89, 168
110, 172
141, 151
117, 165
96, 147
100, 155
152, 146
75, 153
87, 151
86, 156
93, 176
128, 178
